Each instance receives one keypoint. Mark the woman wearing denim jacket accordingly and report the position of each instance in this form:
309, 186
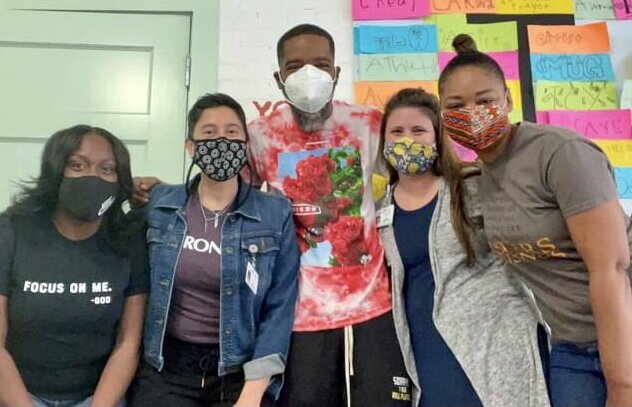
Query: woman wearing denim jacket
224, 263
468, 334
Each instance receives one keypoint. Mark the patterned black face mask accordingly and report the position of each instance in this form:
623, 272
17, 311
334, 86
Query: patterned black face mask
221, 158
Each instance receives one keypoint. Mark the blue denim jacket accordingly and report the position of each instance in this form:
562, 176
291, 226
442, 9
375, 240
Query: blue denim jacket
254, 329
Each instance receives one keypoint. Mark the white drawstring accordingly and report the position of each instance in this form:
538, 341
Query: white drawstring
348, 361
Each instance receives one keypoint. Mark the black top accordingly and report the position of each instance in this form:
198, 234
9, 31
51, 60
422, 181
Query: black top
65, 301
442, 380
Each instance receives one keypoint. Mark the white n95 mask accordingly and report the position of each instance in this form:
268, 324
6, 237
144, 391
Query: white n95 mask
309, 89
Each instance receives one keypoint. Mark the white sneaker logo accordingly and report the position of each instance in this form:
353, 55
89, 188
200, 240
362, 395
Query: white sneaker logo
106, 205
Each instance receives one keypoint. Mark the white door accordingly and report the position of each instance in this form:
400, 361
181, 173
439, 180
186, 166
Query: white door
120, 71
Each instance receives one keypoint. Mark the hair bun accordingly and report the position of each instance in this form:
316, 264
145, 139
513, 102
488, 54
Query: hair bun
464, 43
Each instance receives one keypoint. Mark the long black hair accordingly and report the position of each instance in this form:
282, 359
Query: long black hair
40, 195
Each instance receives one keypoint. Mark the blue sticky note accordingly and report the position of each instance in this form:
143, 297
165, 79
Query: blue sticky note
396, 39
623, 176
572, 67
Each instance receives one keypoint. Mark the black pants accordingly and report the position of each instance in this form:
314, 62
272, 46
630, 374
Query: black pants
189, 379
315, 373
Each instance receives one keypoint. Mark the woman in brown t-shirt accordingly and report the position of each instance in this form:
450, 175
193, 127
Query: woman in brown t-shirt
552, 216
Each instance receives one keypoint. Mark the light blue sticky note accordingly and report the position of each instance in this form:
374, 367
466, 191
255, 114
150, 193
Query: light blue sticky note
572, 67
623, 177
399, 67
396, 39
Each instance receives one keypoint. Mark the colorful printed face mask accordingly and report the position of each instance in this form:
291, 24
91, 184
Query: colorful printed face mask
309, 89
477, 127
410, 157
221, 158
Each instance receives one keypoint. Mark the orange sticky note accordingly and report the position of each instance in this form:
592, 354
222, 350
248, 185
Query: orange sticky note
378, 93
569, 39
462, 7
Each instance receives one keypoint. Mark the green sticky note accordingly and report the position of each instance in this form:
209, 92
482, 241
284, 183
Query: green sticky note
575, 96
594, 9
488, 37
399, 67
626, 95
515, 116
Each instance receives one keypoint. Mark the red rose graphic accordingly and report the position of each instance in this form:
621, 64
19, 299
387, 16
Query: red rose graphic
345, 237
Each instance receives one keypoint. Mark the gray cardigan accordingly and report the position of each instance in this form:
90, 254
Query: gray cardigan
482, 314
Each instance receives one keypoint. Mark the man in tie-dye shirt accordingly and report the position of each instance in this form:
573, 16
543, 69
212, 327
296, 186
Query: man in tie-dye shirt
321, 154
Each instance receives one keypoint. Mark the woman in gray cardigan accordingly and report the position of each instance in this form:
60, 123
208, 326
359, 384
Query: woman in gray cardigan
468, 333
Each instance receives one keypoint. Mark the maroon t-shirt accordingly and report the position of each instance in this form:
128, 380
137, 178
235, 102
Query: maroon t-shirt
194, 312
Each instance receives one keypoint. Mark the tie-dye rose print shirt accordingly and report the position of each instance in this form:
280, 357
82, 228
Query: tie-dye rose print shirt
327, 176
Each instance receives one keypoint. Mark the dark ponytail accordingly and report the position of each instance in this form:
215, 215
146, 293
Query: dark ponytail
469, 55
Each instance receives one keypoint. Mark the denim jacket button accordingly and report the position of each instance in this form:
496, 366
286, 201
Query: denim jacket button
228, 331
229, 250
229, 291
253, 249
159, 322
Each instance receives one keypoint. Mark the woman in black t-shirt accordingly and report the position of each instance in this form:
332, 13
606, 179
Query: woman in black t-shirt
73, 278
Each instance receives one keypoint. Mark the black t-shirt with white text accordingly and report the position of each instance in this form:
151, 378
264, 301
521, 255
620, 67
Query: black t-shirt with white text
65, 301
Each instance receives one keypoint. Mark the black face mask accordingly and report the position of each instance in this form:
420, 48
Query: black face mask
87, 198
220, 159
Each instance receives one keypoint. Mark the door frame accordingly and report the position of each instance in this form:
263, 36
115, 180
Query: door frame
204, 41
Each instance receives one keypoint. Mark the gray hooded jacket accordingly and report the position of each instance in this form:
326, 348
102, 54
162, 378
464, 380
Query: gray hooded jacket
483, 315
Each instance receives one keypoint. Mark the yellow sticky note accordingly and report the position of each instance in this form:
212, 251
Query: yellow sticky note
379, 186
575, 96
516, 93
515, 116
619, 152
534, 7
488, 37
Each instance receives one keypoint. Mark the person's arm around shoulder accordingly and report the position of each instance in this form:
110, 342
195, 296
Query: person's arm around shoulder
13, 392
277, 318
580, 178
123, 361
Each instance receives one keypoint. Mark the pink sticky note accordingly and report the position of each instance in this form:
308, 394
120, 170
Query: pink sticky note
595, 124
464, 154
542, 117
508, 61
622, 9
389, 9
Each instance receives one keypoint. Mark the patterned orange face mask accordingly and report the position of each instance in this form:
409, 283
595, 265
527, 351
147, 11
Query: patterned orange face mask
476, 127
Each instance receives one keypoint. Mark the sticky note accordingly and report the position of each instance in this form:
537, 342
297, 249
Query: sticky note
623, 177
619, 152
463, 6
622, 9
399, 67
595, 124
626, 95
534, 6
542, 117
516, 93
575, 96
508, 61
515, 116
464, 154
389, 9
488, 37
572, 67
569, 39
594, 9
378, 93
387, 39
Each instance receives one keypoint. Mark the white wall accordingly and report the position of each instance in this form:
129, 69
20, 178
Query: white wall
249, 30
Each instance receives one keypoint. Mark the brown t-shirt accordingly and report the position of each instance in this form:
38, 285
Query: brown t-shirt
194, 310
546, 175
